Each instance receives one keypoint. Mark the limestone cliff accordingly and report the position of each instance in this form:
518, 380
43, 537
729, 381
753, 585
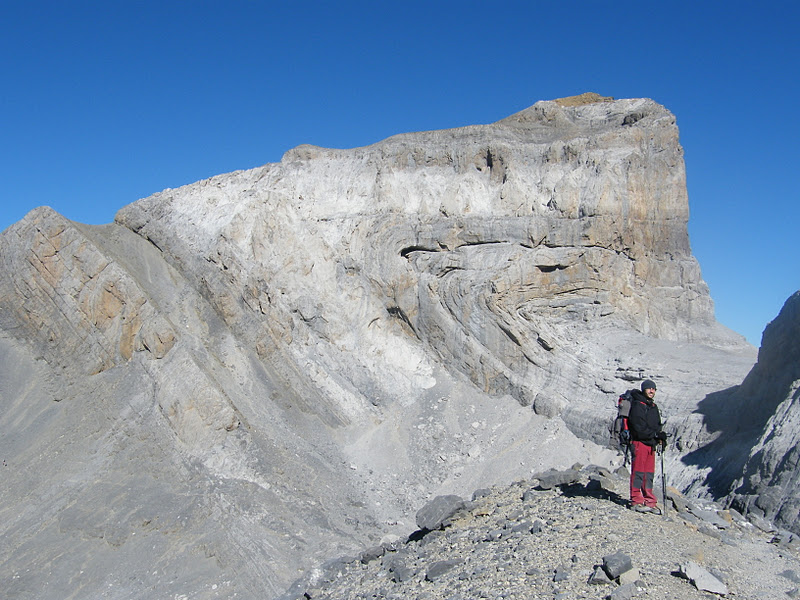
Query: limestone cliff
253, 372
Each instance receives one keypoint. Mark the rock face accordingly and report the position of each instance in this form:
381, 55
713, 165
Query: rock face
500, 250
757, 428
243, 376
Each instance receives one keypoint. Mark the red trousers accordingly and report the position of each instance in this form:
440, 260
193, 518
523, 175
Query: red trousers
643, 470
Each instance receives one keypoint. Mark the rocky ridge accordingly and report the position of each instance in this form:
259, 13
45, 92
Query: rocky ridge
566, 534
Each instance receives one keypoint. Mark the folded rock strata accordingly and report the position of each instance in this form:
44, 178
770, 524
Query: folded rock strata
297, 356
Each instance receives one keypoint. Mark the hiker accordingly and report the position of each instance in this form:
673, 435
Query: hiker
644, 422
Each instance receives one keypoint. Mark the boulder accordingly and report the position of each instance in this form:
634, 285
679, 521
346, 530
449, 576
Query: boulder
702, 579
439, 568
436, 512
553, 478
616, 564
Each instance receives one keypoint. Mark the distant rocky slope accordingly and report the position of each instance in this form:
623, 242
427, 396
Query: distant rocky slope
243, 376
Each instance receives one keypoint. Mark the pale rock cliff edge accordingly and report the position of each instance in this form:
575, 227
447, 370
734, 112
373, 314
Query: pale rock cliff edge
245, 375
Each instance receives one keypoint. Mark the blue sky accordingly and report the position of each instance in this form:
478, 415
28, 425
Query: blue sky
103, 103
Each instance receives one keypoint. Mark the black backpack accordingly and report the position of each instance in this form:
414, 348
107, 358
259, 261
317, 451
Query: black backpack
620, 432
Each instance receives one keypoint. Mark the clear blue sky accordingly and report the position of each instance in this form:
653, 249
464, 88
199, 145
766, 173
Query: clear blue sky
107, 102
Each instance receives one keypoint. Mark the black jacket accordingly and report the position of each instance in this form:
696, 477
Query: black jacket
644, 420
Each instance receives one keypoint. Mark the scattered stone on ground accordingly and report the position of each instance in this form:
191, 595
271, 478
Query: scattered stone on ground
530, 541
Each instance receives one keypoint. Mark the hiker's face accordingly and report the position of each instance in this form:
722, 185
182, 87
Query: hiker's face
650, 392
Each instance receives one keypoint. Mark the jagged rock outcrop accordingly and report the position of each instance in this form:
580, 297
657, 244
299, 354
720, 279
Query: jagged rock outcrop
756, 428
300, 355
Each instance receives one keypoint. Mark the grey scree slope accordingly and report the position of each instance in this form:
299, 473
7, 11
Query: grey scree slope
245, 376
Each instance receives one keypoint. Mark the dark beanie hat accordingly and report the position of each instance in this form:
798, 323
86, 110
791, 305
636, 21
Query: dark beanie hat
647, 384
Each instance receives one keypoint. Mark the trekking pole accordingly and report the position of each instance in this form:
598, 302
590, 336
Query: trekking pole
663, 482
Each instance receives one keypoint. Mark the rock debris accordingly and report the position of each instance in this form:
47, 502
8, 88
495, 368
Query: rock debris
576, 539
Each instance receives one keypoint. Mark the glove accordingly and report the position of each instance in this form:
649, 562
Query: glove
661, 440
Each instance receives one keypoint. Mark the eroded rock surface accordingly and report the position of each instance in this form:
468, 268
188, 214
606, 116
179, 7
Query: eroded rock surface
756, 429
246, 375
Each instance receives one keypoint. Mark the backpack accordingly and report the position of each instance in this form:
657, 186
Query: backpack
619, 430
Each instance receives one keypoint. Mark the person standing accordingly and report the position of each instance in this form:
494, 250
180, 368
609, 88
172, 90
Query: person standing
644, 422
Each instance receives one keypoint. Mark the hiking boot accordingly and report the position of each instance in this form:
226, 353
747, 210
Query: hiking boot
641, 508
